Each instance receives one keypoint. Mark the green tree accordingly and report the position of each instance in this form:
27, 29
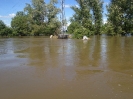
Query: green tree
52, 22
81, 20
4, 30
89, 15
97, 9
2, 25
36, 11
36, 15
120, 16
20, 24
75, 29
42, 17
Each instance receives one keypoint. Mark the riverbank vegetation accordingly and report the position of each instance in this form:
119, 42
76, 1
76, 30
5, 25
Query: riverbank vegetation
39, 18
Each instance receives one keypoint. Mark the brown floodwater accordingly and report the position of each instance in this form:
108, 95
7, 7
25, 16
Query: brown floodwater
43, 68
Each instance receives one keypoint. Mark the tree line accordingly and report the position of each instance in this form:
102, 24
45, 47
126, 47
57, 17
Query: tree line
88, 18
39, 18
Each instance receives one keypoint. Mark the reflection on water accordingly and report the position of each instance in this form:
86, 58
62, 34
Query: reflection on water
43, 68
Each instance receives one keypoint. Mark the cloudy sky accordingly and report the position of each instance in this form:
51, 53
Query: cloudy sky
8, 8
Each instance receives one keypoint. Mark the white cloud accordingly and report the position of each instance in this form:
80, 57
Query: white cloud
106, 3
8, 16
12, 15
7, 21
77, 6
8, 24
105, 20
2, 16
68, 23
67, 6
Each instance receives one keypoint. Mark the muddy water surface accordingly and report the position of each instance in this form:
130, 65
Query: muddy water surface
43, 68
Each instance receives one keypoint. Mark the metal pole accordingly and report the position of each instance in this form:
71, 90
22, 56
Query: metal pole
62, 16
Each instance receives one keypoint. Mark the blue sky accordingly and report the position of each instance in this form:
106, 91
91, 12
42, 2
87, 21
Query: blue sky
8, 8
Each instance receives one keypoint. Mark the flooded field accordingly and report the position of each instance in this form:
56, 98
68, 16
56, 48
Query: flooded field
43, 68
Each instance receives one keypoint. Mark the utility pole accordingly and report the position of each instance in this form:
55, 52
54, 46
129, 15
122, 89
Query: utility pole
63, 16
63, 21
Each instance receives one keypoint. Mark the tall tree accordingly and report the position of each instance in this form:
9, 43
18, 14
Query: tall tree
97, 9
42, 16
89, 15
81, 20
120, 16
36, 14
52, 10
20, 24
52, 20
36, 11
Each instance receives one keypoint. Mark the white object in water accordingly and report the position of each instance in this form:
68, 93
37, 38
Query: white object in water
51, 36
85, 38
